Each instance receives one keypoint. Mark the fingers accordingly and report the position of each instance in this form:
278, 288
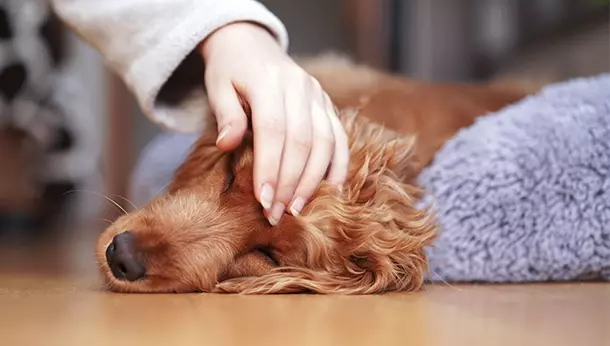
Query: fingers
337, 173
269, 129
297, 146
319, 159
229, 113
315, 145
298, 139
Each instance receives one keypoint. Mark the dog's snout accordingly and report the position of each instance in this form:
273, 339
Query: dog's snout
122, 258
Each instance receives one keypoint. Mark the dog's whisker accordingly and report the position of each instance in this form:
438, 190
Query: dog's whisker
162, 188
100, 195
444, 281
105, 220
135, 207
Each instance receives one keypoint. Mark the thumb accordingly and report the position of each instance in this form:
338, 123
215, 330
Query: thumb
230, 116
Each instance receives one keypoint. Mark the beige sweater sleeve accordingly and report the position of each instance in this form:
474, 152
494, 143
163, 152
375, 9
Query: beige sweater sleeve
150, 45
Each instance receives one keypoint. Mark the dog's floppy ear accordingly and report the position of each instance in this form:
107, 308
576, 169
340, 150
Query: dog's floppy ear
400, 157
248, 111
205, 155
203, 158
380, 146
249, 131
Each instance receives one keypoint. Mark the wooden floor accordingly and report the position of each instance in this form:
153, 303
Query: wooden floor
51, 295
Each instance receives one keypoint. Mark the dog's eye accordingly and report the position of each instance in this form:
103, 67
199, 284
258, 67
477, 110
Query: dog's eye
230, 175
268, 253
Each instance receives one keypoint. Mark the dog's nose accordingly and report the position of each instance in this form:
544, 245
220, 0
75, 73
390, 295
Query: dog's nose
12, 79
122, 259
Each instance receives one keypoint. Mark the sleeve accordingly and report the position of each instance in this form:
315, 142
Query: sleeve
151, 45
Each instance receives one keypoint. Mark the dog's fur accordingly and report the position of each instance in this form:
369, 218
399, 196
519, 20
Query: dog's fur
208, 233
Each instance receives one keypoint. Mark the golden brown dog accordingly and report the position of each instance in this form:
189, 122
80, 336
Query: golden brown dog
208, 232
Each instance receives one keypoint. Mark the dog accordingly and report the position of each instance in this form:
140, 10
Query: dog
208, 233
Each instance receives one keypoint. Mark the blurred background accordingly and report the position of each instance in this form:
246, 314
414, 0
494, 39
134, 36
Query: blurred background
70, 133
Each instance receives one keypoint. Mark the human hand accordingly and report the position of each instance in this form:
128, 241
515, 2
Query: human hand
298, 139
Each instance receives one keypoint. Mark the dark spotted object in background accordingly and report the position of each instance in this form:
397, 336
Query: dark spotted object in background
31, 54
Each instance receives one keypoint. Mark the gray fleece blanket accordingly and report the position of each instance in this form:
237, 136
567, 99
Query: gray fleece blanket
523, 195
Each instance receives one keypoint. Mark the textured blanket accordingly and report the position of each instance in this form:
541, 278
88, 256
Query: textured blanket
522, 195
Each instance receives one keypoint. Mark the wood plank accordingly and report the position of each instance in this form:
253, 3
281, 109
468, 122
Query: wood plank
50, 294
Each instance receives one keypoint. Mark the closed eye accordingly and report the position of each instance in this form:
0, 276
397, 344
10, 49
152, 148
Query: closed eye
268, 253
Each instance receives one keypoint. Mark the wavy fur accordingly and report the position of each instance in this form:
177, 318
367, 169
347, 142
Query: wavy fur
369, 239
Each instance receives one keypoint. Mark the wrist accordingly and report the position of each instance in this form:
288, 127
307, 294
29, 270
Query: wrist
236, 34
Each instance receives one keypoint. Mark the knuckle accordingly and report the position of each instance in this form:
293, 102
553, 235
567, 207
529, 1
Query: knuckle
306, 80
302, 144
213, 78
314, 82
272, 126
297, 74
272, 71
301, 73
286, 188
326, 140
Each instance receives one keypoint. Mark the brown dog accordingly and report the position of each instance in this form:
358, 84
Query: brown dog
208, 233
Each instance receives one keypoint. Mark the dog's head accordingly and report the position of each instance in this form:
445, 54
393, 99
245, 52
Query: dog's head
367, 238
167, 244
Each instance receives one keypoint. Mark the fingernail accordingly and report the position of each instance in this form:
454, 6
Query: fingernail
266, 196
223, 132
297, 206
276, 213
272, 221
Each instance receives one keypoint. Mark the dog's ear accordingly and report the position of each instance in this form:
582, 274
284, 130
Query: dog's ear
249, 131
379, 147
199, 163
248, 111
400, 158
205, 156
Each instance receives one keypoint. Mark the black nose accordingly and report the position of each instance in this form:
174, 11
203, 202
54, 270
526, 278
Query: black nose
122, 258
12, 79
